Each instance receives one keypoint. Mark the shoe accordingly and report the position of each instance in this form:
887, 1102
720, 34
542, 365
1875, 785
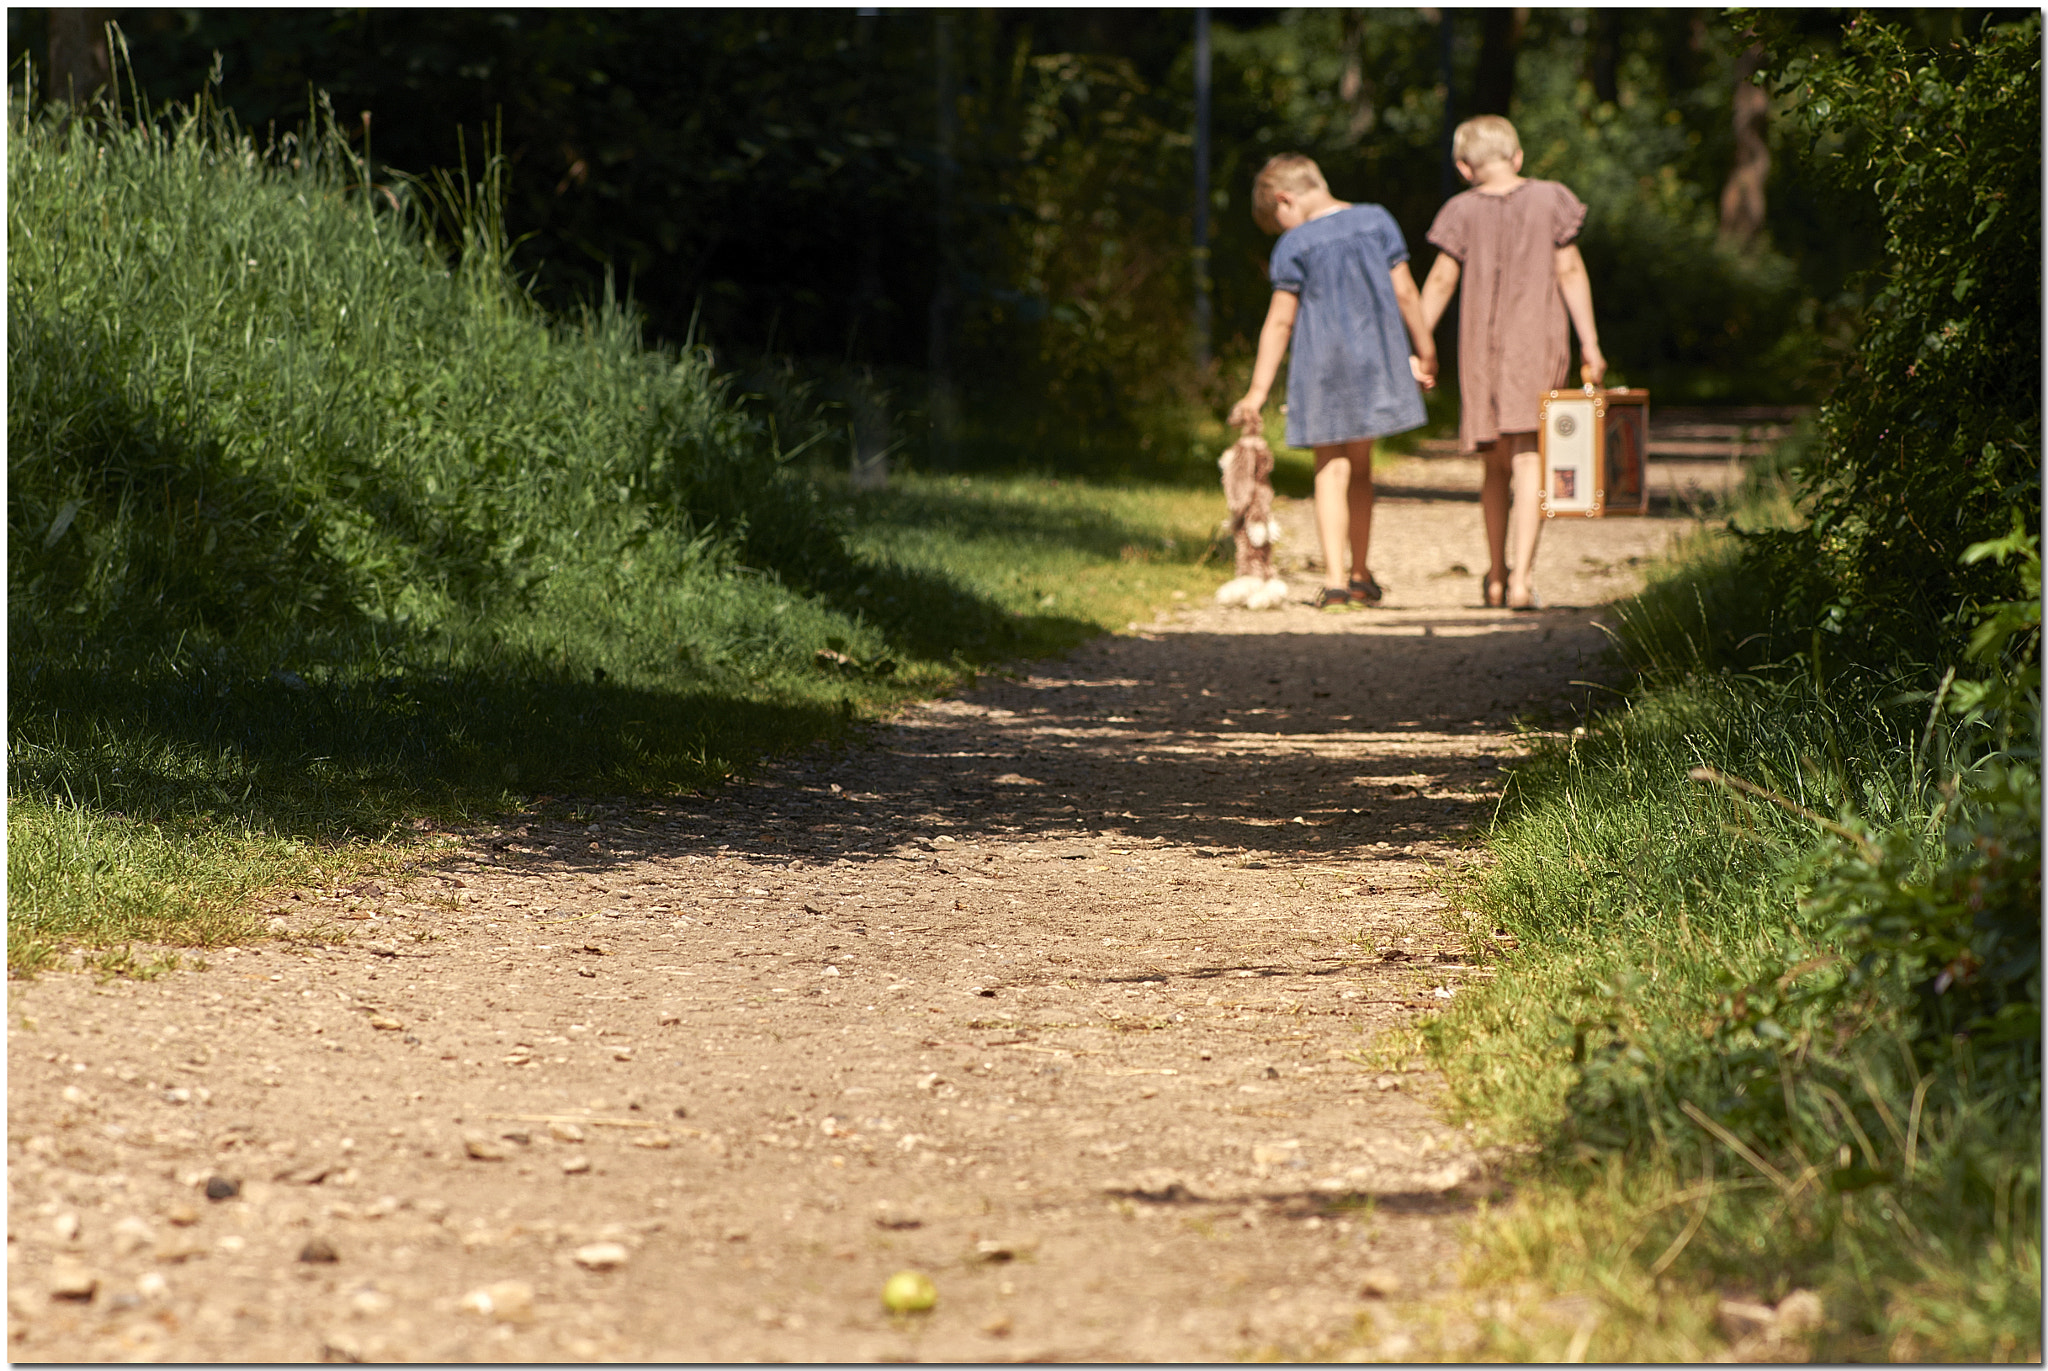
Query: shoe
1496, 594
1365, 590
1334, 597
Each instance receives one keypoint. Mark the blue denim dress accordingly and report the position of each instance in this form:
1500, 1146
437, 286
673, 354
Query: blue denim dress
1347, 372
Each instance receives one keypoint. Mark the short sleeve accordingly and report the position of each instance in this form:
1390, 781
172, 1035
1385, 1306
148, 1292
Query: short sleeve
1391, 239
1567, 213
1285, 269
1448, 232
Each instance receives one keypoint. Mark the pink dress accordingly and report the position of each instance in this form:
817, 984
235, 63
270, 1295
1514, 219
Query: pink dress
1514, 337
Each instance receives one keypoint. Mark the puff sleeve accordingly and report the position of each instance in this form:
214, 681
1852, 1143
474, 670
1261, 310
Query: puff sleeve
1284, 270
1392, 240
1567, 214
1449, 232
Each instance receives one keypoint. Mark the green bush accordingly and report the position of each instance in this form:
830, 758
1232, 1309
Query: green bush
1779, 915
1932, 439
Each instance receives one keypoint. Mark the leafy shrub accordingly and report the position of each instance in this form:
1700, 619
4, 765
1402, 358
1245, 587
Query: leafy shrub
1932, 439
1713, 982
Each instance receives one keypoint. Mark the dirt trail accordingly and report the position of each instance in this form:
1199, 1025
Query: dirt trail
1057, 992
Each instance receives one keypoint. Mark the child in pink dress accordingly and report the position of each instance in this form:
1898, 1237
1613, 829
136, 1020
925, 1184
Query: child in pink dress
1511, 239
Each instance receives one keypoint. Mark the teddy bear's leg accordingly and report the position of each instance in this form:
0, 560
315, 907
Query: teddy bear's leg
1260, 563
1239, 591
1248, 553
1270, 594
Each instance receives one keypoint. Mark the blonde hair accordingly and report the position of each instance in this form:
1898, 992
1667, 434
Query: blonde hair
1289, 171
1484, 139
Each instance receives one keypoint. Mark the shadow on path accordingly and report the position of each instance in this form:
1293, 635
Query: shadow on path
1351, 739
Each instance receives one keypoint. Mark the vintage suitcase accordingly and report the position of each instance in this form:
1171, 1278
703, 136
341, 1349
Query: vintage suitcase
1595, 444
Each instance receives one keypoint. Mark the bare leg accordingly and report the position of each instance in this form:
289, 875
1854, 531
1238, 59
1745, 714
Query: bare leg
1525, 517
1344, 497
1493, 505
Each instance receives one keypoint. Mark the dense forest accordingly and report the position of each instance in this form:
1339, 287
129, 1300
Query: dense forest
983, 217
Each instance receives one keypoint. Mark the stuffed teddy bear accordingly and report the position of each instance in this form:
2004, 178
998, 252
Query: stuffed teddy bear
1248, 491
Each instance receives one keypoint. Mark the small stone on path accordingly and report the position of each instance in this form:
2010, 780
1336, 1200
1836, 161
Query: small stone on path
131, 1235
69, 1280
482, 1148
1800, 1312
601, 1256
505, 1301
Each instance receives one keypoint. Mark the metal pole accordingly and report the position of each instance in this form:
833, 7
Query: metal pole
1202, 300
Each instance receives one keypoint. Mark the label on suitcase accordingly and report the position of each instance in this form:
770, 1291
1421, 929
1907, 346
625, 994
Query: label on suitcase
1594, 445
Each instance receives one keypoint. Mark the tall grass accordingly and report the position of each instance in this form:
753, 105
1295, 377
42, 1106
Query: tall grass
318, 526
1767, 930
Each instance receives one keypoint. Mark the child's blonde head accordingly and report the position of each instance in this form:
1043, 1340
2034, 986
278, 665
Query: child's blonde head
1487, 138
1290, 172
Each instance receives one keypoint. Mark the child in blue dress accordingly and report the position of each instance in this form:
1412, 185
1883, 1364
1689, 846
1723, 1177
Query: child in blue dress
1343, 295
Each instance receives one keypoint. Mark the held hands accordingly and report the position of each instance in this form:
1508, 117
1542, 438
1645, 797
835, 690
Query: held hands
1424, 369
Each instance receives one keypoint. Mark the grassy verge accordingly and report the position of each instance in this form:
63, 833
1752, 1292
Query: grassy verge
1073, 557
321, 537
156, 803
1751, 1042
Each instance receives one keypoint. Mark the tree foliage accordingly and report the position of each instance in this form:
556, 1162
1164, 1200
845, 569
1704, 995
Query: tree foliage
769, 180
1931, 440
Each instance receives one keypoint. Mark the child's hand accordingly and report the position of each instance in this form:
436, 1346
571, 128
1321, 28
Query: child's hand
1592, 366
1425, 371
1245, 416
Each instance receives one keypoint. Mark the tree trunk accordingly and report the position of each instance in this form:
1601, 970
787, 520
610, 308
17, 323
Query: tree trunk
1202, 306
1685, 49
1500, 43
864, 328
1447, 51
1355, 87
945, 404
1605, 63
78, 56
1742, 199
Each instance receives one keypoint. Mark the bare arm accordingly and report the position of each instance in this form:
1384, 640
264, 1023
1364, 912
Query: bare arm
1577, 289
1437, 289
1409, 301
1273, 339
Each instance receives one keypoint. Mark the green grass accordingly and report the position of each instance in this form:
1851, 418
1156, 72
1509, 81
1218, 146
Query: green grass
156, 803
1679, 957
1074, 557
321, 535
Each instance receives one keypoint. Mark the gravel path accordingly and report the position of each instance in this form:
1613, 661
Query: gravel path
1063, 991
